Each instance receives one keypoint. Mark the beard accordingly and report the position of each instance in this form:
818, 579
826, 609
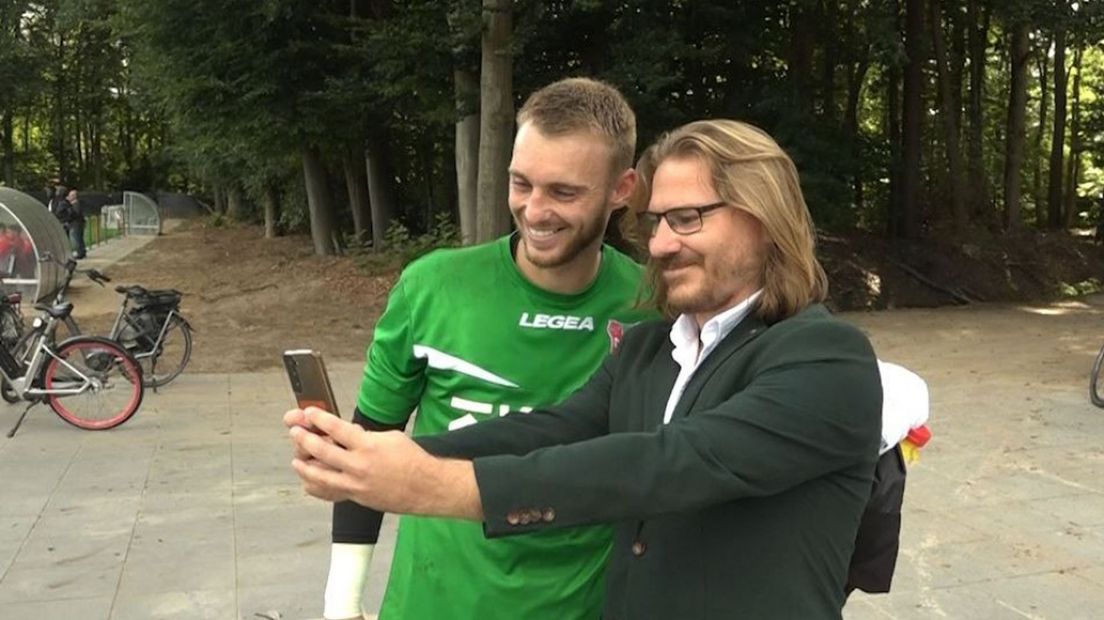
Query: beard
579, 240
709, 285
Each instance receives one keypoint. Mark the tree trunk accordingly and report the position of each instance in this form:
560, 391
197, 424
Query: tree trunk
956, 61
800, 61
829, 17
894, 217
271, 203
496, 120
1058, 140
233, 202
467, 152
377, 160
59, 112
1073, 165
1044, 100
856, 75
1016, 129
7, 128
978, 49
97, 151
356, 185
319, 202
220, 206
912, 113
950, 129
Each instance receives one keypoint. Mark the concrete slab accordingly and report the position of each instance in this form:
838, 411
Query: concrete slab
191, 510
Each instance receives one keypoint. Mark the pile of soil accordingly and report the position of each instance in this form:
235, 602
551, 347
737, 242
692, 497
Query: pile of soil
250, 298
868, 272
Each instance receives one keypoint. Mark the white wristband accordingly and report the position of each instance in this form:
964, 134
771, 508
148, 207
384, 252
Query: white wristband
348, 574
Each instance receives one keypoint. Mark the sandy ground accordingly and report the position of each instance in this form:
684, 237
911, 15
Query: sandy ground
249, 298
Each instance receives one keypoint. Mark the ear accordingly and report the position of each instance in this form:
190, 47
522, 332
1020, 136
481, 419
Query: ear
623, 189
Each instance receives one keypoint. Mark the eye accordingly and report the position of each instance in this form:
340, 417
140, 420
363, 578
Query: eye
682, 218
519, 184
562, 193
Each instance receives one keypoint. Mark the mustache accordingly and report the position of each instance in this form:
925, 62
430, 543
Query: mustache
675, 262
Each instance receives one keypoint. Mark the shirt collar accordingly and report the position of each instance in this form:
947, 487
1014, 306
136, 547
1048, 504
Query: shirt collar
685, 334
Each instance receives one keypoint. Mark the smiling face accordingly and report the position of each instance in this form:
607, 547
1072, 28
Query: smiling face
562, 192
715, 268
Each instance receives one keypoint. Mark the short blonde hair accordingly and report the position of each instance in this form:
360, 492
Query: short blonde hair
752, 173
584, 104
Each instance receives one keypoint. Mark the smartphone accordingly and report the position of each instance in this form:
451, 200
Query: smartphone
309, 380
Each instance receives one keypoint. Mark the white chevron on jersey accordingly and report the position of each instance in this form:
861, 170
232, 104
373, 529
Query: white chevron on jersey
443, 361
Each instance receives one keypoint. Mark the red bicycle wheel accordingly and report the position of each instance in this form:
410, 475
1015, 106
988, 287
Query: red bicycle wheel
102, 383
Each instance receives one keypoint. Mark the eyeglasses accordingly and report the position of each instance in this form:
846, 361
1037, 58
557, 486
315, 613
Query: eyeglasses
683, 220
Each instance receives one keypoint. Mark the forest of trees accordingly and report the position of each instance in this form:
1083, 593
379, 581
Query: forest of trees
908, 118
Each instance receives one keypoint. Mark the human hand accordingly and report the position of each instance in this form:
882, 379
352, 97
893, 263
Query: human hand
340, 461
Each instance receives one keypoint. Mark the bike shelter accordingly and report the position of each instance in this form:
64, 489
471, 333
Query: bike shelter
138, 215
28, 231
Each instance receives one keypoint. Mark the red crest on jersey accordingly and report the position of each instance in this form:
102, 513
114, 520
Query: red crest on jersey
616, 332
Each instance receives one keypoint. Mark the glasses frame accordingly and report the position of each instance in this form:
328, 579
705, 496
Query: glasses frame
649, 220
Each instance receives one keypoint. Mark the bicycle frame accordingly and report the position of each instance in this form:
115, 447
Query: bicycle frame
21, 380
121, 318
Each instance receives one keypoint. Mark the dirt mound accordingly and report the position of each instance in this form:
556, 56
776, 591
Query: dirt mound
250, 298
868, 272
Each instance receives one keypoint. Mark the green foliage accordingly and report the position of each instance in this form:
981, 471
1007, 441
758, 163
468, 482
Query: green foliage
1077, 289
199, 93
401, 246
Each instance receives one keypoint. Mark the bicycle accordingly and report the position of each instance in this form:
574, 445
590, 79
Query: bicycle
1096, 382
90, 382
149, 325
11, 318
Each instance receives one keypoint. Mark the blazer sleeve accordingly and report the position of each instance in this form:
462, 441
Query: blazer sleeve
584, 415
811, 408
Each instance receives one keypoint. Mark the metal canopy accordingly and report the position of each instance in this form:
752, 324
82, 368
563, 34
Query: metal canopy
138, 215
27, 232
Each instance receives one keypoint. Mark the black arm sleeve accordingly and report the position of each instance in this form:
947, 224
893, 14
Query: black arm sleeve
353, 523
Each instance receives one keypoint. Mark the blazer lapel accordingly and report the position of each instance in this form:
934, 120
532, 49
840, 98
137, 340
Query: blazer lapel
659, 381
744, 332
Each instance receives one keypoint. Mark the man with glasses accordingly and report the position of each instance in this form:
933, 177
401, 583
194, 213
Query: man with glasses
732, 444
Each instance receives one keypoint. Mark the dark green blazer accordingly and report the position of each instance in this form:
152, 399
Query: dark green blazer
744, 506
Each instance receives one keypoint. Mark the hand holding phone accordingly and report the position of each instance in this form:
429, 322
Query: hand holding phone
309, 381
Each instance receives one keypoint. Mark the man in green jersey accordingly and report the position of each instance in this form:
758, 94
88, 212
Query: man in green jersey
475, 333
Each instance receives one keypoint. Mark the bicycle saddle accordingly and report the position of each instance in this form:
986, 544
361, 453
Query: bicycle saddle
59, 311
132, 291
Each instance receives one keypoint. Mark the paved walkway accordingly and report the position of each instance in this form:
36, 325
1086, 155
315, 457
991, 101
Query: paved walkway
191, 510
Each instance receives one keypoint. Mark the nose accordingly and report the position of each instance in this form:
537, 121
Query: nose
664, 241
537, 206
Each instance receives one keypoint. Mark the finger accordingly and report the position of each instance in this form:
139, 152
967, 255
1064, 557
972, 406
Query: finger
295, 417
342, 432
323, 448
321, 482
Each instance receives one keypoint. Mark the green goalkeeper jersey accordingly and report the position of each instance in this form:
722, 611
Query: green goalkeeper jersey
465, 338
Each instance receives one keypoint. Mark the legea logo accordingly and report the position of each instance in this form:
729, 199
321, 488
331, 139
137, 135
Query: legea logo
556, 321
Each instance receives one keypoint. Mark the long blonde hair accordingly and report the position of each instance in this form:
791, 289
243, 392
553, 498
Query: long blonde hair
752, 173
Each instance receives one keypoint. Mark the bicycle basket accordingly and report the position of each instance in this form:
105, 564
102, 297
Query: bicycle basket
169, 297
144, 326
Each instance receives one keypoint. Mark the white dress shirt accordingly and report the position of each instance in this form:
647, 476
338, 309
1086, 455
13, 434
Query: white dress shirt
693, 346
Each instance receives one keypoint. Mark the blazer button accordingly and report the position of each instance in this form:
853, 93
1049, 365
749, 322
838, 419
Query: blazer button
535, 515
638, 548
549, 515
513, 518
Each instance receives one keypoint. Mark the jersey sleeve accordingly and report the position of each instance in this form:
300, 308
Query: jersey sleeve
393, 378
